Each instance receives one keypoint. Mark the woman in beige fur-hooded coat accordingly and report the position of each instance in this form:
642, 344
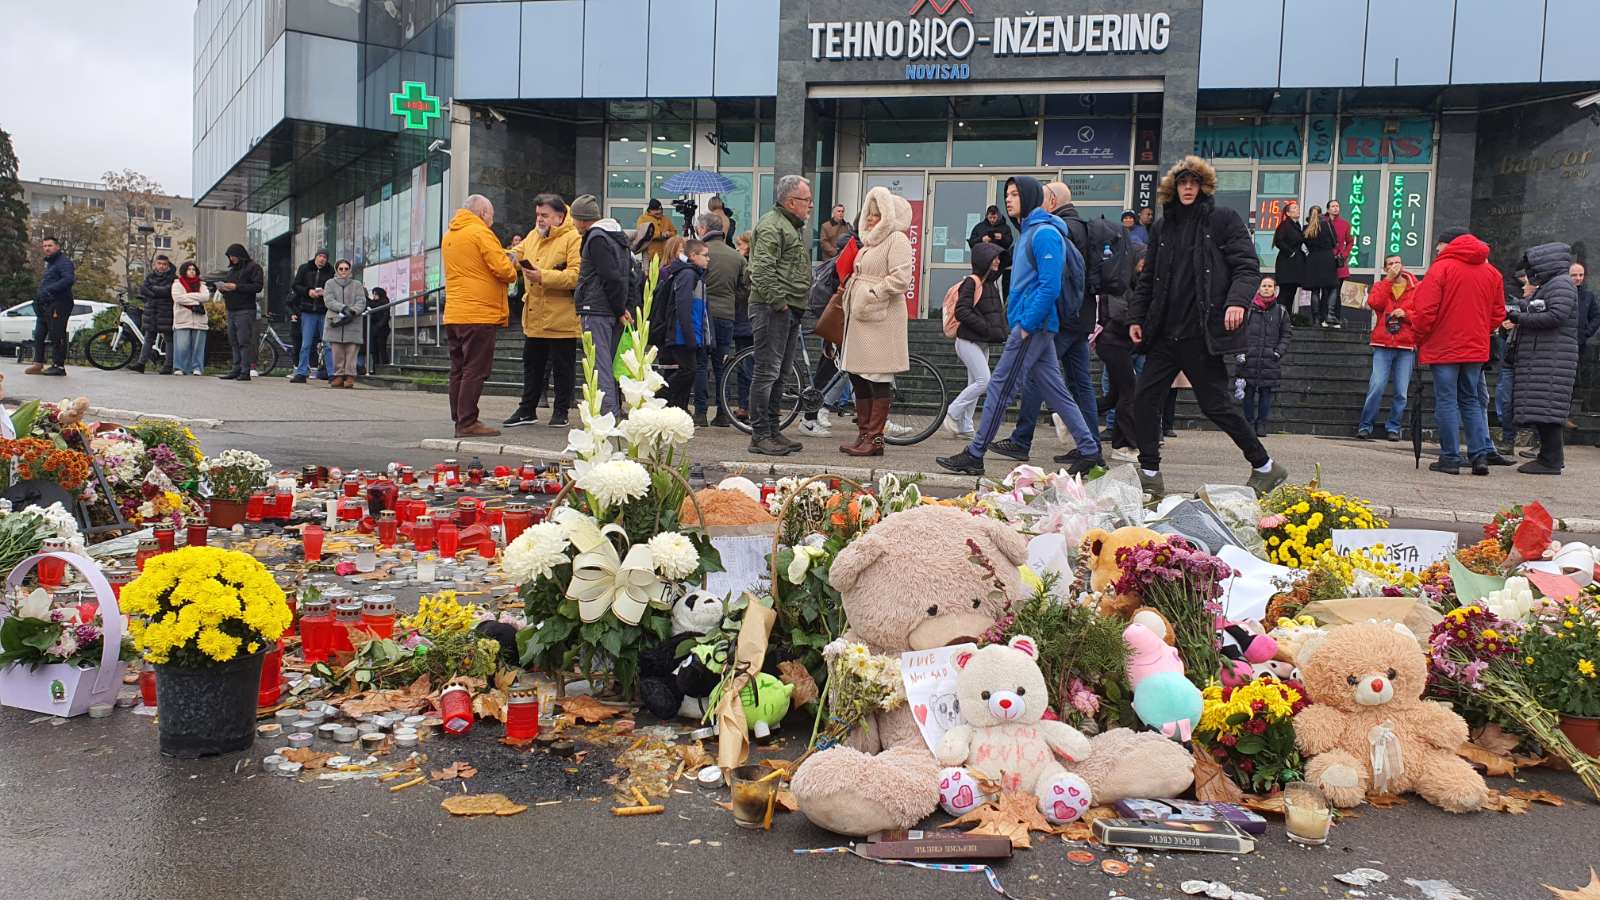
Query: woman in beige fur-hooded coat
875, 347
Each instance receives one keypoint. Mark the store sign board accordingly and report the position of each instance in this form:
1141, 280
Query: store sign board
1264, 142
1087, 142
1359, 194
935, 46
1371, 140
1144, 190
1407, 204
415, 105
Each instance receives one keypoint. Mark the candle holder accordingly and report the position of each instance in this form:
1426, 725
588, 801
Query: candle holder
1307, 814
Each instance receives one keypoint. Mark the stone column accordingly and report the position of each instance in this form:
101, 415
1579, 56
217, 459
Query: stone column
1458, 156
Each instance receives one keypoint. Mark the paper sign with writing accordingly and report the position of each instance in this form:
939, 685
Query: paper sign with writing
930, 680
1412, 549
745, 559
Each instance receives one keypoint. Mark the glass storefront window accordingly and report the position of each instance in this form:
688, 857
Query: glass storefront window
767, 143
1000, 106
914, 144
1370, 140
626, 216
628, 145
1233, 192
669, 145
738, 141
1274, 190
995, 142
738, 200
625, 184
657, 177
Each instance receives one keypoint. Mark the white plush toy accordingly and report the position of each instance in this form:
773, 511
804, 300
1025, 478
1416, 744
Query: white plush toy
1005, 739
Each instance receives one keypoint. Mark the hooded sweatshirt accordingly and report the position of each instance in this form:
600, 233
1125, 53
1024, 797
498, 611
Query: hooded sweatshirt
1041, 261
1460, 302
980, 310
245, 274
605, 271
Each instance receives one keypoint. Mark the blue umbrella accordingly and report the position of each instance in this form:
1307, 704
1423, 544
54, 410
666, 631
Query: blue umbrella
696, 181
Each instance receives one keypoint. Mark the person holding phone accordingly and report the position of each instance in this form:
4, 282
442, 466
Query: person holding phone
548, 260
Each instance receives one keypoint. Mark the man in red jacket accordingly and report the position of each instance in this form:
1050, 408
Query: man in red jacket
1394, 347
1458, 305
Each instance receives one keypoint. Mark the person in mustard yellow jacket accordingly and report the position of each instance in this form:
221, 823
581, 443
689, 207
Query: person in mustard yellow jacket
476, 272
549, 257
660, 229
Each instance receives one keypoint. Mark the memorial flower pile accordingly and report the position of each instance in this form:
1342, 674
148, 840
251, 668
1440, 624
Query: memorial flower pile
235, 474
860, 683
35, 635
1300, 520
1249, 730
1184, 585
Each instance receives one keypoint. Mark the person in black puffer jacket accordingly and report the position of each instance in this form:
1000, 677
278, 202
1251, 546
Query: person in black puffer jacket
1268, 330
1546, 353
309, 314
239, 285
1116, 352
156, 293
981, 321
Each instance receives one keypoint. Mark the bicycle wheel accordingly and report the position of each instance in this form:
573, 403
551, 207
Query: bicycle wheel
743, 363
110, 349
920, 402
266, 355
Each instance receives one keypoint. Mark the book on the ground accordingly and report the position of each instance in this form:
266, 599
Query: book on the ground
1192, 811
1218, 836
936, 845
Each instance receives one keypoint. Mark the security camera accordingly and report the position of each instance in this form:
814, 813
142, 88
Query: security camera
437, 146
1586, 102
496, 115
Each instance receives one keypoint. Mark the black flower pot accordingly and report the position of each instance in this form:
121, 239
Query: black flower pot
204, 712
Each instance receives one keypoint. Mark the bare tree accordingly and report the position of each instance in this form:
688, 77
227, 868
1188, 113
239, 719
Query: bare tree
90, 239
134, 198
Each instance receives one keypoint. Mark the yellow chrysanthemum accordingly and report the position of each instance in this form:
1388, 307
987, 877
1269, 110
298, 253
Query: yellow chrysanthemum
183, 598
1586, 668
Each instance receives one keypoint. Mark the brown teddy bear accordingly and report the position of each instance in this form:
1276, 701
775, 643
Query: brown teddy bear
1098, 570
909, 584
1368, 728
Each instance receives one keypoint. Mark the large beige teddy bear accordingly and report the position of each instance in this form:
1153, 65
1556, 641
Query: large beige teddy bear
1368, 728
909, 584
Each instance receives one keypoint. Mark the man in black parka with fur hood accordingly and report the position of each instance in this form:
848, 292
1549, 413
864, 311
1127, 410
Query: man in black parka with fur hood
1188, 311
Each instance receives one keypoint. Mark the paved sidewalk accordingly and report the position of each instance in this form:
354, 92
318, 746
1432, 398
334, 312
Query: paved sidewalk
295, 424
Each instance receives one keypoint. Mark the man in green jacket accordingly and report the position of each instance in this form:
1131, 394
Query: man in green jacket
728, 297
780, 279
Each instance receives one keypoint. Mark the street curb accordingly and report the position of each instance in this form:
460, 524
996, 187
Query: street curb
486, 448
758, 470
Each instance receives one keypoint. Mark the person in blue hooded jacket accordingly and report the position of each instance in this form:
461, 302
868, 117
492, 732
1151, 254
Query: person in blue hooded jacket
688, 279
1040, 262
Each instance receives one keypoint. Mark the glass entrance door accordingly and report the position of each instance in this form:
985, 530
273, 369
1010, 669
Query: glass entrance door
959, 202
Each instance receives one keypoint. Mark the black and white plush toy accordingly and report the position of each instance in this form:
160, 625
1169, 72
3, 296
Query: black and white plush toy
666, 669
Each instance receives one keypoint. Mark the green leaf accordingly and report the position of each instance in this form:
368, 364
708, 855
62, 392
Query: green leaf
1249, 745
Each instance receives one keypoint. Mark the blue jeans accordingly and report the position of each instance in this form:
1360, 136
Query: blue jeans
1030, 361
1458, 404
1388, 362
1258, 405
1502, 404
188, 350
310, 333
1074, 352
725, 345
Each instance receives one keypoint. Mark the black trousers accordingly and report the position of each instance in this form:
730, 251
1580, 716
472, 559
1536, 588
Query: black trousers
543, 358
827, 367
1552, 451
1164, 359
680, 383
1116, 352
50, 324
1286, 292
1325, 305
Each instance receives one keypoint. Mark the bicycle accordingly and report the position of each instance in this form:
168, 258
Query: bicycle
110, 349
919, 405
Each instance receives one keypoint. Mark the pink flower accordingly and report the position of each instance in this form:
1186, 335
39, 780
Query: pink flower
1082, 699
1277, 520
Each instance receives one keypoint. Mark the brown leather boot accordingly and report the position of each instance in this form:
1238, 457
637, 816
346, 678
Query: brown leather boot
873, 418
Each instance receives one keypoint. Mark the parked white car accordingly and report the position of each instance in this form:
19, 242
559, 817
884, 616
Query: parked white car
16, 323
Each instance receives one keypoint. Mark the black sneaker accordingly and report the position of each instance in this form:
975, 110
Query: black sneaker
55, 370
1168, 432
1068, 458
519, 417
166, 370
1009, 449
1538, 467
1496, 459
1394, 437
1363, 435
1480, 465
242, 378
1086, 464
700, 420
723, 420
137, 367
794, 446
768, 446
558, 420
1445, 468
297, 378
962, 463
231, 376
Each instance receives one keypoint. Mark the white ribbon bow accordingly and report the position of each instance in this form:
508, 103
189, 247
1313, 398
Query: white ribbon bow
1388, 764
603, 579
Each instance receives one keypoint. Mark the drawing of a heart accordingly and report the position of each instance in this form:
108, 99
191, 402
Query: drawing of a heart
921, 712
1064, 812
963, 797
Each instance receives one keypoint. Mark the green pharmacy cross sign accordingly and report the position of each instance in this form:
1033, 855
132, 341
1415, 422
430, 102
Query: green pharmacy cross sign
414, 104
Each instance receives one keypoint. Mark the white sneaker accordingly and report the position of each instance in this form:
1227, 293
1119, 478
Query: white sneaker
254, 374
896, 429
823, 419
1061, 430
179, 372
815, 429
952, 426
197, 373
1123, 454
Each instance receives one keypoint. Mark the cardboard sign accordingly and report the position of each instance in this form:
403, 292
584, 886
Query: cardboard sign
1412, 549
930, 680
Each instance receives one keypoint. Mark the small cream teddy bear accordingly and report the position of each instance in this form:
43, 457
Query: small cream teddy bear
1005, 740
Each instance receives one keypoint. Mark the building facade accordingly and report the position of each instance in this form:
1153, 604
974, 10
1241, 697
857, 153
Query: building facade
1415, 115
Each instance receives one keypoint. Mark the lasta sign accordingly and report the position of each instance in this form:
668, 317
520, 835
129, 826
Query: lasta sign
932, 38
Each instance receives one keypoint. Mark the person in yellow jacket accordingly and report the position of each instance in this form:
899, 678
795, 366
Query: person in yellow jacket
549, 257
476, 272
662, 231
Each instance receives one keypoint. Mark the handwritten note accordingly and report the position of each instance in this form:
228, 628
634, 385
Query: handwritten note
930, 680
745, 559
1412, 549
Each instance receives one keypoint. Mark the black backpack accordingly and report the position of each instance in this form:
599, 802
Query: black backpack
663, 310
636, 281
1110, 241
824, 282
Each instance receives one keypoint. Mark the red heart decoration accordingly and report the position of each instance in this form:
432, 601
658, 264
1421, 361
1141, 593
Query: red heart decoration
963, 797
921, 712
1064, 812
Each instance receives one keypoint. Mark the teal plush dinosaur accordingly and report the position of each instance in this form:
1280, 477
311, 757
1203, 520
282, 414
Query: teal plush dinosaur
765, 697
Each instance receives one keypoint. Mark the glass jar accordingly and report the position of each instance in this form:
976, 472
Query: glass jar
166, 537
366, 557
516, 519
256, 508
346, 619
408, 475
381, 495
422, 532
427, 568
388, 528
522, 713
147, 548
352, 485
284, 506
350, 509
448, 537
466, 512
452, 470
316, 629
377, 614
455, 707
311, 538
52, 572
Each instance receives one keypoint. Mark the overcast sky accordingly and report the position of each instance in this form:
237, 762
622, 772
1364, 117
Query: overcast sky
92, 85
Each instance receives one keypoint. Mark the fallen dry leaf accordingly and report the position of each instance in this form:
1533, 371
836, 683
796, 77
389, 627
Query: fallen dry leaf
1386, 801
481, 805
489, 706
456, 769
805, 687
1211, 784
373, 702
1495, 739
519, 743
307, 757
1272, 806
1014, 815
1590, 891
1536, 796
1498, 802
694, 756
1492, 763
787, 801
786, 766
1083, 828
587, 709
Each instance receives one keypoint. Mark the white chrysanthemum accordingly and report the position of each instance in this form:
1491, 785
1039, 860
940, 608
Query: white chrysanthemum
615, 482
668, 426
536, 552
674, 555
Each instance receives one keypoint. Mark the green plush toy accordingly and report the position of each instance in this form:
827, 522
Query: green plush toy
765, 697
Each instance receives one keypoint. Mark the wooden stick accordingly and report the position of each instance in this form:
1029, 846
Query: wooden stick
637, 810
412, 783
